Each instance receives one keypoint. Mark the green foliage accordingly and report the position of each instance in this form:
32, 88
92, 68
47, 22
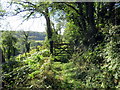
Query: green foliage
72, 33
112, 56
8, 44
26, 69
45, 53
93, 61
18, 71
93, 68
96, 68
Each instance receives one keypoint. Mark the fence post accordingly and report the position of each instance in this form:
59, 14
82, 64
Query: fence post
0, 69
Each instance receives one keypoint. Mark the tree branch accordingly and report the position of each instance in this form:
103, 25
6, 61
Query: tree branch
72, 7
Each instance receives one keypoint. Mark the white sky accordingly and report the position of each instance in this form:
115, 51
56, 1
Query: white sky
14, 22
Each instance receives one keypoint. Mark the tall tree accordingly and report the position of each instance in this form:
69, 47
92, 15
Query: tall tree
49, 29
90, 17
26, 41
8, 44
37, 7
91, 22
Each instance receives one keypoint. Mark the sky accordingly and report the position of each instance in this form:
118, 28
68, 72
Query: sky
15, 22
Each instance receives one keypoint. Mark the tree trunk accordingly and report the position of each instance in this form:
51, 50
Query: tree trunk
27, 45
49, 30
8, 53
91, 21
0, 69
3, 58
82, 17
0, 56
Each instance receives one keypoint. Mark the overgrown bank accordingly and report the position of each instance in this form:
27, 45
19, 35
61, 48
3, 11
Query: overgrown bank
98, 68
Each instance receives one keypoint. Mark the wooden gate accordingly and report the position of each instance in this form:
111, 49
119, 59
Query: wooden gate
60, 49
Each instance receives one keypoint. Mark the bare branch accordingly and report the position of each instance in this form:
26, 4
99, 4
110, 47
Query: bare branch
24, 11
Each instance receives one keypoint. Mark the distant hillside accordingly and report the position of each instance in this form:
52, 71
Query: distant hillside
38, 35
35, 35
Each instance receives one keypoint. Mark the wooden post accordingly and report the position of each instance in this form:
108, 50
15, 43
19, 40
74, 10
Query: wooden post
0, 69
2, 61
